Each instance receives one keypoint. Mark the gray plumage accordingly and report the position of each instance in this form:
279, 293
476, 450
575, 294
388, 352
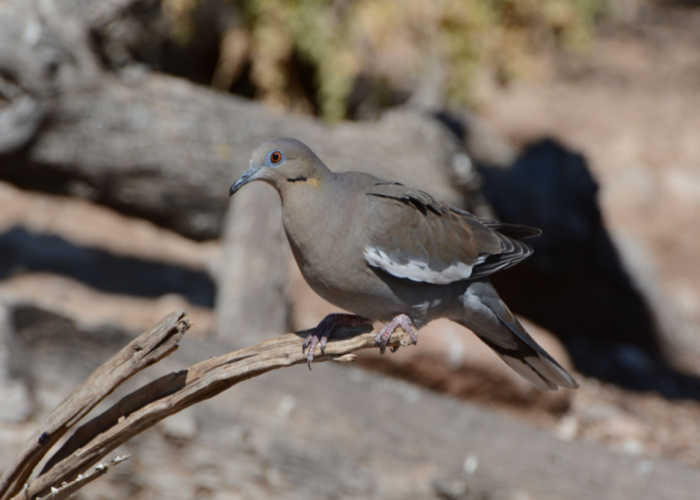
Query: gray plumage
381, 249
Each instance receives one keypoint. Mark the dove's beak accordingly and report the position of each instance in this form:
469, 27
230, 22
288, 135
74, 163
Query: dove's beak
248, 176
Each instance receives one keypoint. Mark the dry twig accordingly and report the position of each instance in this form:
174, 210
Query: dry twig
67, 489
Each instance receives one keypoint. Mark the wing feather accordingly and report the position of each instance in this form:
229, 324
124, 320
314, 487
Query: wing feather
415, 237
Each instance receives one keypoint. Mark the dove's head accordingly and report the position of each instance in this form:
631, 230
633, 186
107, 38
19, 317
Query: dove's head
282, 162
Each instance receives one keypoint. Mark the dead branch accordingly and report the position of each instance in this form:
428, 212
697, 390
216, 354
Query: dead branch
148, 348
165, 396
67, 125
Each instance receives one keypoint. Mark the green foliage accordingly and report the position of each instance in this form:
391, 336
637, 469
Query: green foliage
179, 14
392, 40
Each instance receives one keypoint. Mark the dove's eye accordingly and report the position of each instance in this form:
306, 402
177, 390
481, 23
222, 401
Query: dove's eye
274, 157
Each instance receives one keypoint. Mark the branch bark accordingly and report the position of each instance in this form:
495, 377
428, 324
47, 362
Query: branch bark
148, 348
158, 399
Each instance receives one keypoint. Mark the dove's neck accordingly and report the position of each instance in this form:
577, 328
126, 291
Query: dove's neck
308, 216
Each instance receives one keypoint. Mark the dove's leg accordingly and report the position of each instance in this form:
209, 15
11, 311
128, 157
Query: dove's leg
327, 328
401, 320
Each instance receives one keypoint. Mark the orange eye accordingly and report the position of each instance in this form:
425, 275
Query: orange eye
275, 157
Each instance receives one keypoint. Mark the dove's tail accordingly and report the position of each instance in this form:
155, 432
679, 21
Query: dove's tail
489, 318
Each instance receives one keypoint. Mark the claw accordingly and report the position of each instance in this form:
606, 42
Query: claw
309, 346
400, 320
326, 328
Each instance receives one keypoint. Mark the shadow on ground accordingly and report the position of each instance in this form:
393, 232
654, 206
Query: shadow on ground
25, 251
577, 286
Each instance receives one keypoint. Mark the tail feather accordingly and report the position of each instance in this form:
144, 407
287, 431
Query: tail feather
515, 231
535, 364
491, 320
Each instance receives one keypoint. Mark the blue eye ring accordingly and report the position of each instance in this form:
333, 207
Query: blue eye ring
274, 158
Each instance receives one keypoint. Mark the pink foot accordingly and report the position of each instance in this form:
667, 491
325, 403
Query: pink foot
328, 326
400, 320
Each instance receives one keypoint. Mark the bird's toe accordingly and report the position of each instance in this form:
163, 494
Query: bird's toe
309, 346
401, 320
329, 327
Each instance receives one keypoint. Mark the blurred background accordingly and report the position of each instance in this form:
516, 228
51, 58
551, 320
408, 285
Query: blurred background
123, 123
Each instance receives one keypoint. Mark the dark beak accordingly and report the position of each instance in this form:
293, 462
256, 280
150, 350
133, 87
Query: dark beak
248, 176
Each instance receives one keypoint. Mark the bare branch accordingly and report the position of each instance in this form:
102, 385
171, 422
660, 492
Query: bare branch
178, 390
148, 348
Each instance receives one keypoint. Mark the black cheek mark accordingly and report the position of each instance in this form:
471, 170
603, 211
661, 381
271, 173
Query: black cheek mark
301, 178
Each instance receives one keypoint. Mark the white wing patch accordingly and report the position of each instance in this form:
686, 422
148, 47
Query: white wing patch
418, 270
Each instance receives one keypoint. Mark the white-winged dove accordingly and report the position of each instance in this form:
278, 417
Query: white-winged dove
392, 253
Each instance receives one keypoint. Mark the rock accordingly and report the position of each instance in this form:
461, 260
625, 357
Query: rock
180, 427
